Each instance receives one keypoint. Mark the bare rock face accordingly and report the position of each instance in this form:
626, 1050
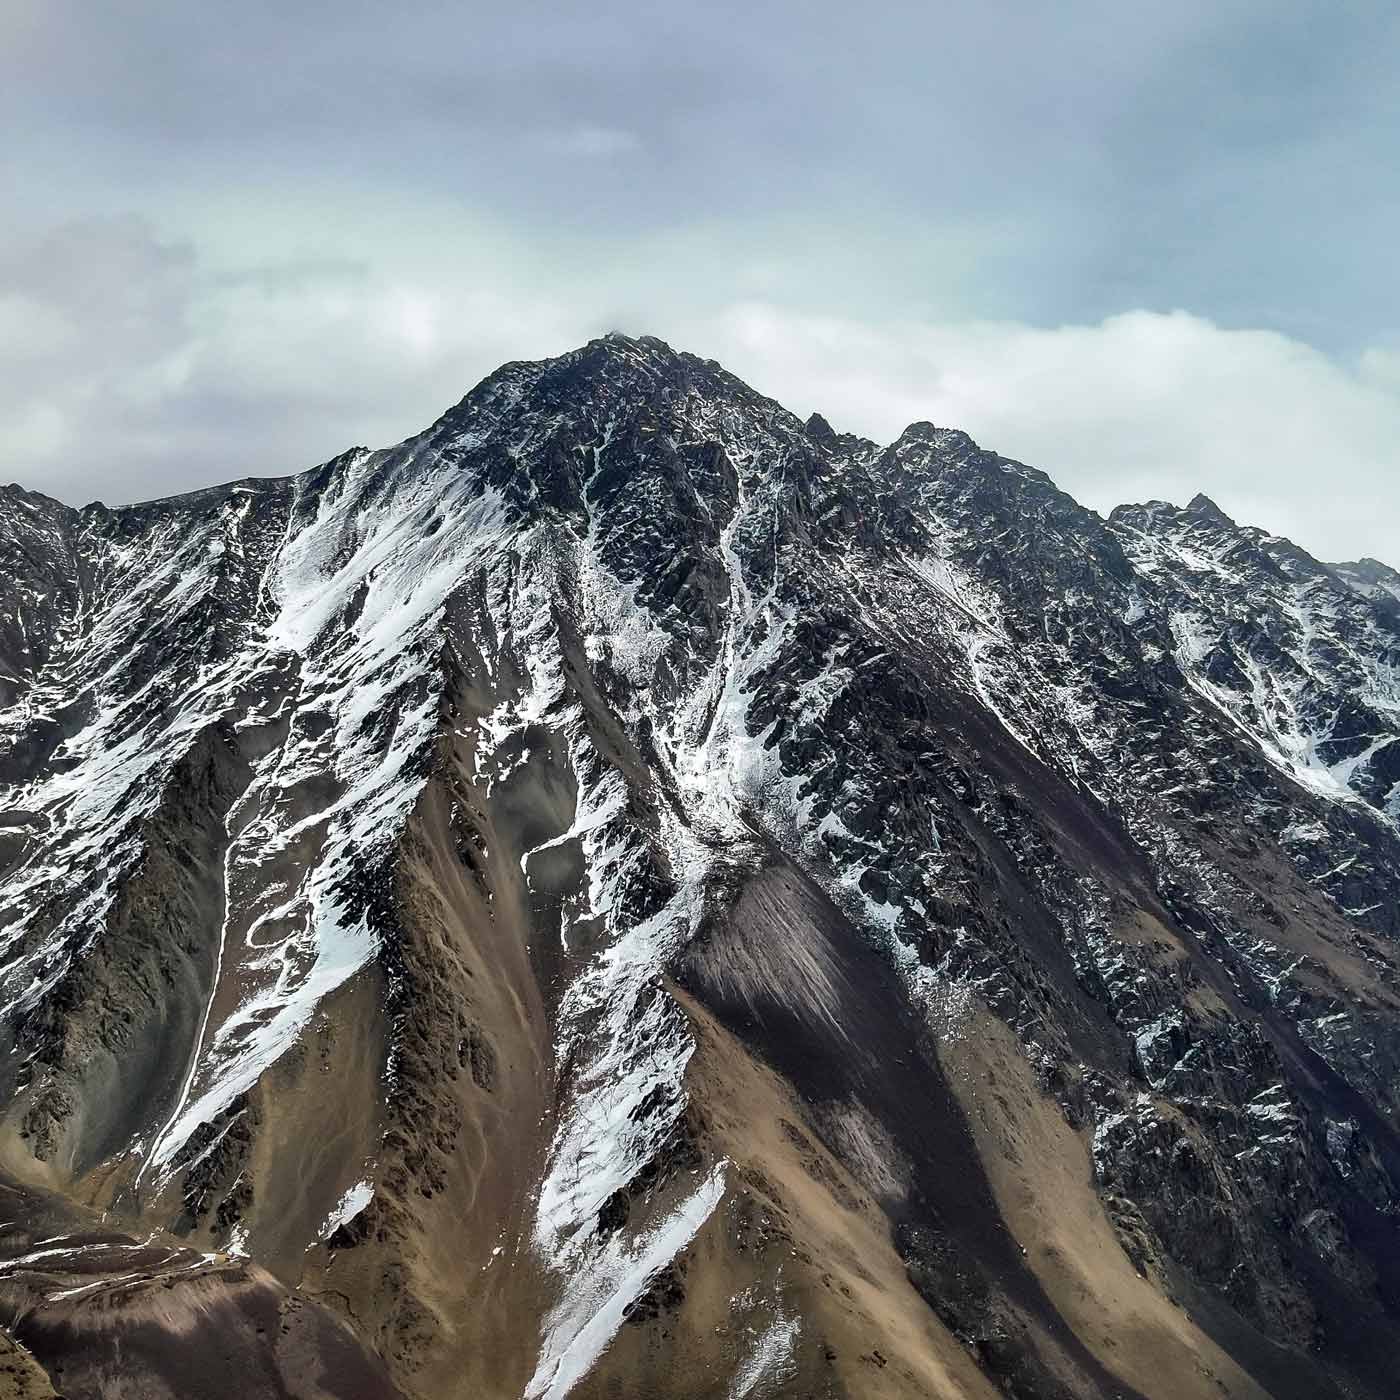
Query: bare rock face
629, 893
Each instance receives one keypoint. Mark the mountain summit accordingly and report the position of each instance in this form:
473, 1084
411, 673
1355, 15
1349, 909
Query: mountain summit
631, 893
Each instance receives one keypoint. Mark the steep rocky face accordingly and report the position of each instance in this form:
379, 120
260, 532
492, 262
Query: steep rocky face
630, 893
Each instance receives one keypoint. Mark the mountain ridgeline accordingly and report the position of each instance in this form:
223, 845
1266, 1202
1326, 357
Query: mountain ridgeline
628, 893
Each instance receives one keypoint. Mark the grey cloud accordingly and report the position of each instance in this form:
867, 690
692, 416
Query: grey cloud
1191, 154
352, 210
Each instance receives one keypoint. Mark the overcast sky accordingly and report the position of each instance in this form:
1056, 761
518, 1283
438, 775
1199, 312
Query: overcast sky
1151, 249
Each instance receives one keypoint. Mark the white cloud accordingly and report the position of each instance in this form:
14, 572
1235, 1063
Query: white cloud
148, 375
1140, 405
130, 367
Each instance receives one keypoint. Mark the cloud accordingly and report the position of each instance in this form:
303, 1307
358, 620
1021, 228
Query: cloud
1137, 406
132, 366
1092, 156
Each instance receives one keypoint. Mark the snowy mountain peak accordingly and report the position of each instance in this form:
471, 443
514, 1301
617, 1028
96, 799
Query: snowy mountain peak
1203, 507
628, 892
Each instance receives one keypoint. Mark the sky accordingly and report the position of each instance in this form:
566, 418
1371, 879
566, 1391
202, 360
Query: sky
1149, 249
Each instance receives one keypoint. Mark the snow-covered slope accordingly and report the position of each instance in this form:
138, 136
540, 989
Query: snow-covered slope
1280, 645
628, 892
1371, 579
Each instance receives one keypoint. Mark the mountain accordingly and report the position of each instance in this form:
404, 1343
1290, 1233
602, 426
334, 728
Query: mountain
1371, 579
630, 893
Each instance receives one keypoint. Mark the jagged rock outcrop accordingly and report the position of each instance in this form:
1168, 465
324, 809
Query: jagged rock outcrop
628, 892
